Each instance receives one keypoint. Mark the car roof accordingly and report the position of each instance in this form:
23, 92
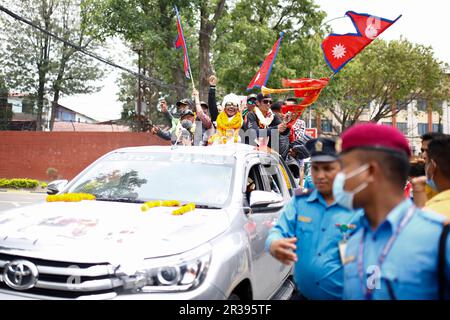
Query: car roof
235, 149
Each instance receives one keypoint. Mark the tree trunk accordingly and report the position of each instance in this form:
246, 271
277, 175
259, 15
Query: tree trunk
54, 106
204, 51
206, 30
40, 100
43, 65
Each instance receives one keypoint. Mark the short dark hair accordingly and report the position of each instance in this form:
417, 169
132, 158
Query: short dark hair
431, 136
260, 97
439, 151
277, 105
395, 165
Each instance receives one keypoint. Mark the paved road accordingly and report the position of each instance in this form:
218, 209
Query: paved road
12, 199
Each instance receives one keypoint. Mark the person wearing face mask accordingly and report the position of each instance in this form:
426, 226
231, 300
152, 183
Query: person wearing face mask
422, 187
229, 122
184, 132
438, 172
313, 228
394, 254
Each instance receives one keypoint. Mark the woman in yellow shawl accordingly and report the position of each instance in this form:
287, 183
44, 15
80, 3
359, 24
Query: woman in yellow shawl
229, 122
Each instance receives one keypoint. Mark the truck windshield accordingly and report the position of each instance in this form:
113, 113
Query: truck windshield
138, 177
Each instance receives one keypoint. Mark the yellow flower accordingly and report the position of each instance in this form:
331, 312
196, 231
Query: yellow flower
186, 208
70, 197
159, 203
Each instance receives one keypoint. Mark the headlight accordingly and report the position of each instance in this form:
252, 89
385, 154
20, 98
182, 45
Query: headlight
171, 274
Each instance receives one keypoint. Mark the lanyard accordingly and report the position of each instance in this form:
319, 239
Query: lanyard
369, 292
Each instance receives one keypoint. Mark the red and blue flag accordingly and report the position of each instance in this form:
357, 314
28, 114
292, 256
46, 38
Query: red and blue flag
339, 49
261, 77
181, 43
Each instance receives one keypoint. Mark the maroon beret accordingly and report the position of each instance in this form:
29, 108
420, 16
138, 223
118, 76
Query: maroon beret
374, 136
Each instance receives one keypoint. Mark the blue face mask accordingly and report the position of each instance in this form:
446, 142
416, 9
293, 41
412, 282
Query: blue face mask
345, 198
430, 181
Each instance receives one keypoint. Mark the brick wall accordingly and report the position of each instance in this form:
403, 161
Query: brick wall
25, 154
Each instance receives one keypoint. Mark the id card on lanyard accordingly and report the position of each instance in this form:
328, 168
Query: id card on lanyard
368, 293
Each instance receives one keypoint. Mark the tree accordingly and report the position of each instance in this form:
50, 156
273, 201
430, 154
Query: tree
207, 27
248, 31
384, 75
232, 36
72, 70
5, 109
36, 63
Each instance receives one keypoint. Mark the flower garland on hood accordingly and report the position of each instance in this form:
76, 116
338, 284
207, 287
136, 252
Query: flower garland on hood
224, 125
264, 121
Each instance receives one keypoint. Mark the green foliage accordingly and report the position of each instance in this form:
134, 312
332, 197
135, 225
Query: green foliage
18, 183
384, 74
247, 33
35, 63
243, 36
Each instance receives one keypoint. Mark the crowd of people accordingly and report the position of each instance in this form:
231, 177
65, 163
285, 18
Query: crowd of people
255, 120
367, 224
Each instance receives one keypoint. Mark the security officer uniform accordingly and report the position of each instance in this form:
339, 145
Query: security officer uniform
409, 268
408, 255
319, 228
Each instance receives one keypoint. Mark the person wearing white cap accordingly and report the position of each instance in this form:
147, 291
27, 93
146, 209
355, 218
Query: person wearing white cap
229, 121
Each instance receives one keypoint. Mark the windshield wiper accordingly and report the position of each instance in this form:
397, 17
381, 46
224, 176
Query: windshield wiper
205, 206
127, 200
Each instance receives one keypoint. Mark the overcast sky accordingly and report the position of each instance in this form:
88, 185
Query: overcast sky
425, 22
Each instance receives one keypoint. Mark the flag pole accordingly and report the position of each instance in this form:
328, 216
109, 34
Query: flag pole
192, 78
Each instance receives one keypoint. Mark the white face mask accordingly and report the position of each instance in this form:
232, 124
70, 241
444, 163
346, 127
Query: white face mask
345, 198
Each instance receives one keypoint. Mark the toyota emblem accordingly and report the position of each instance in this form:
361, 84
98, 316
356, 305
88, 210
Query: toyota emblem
20, 274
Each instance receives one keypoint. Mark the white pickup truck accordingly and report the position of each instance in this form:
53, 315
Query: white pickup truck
109, 248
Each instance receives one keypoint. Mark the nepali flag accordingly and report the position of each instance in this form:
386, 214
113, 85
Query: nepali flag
339, 49
181, 43
261, 77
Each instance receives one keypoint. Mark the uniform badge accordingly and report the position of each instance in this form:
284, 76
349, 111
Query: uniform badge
319, 146
344, 229
304, 219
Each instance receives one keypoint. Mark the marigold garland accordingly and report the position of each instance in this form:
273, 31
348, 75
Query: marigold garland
160, 203
186, 208
70, 197
227, 130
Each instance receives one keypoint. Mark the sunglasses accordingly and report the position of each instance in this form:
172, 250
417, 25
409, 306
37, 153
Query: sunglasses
231, 105
266, 101
251, 102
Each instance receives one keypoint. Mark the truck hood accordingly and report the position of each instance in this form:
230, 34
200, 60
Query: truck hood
96, 231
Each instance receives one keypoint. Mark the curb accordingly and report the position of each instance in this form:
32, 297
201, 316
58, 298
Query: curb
21, 191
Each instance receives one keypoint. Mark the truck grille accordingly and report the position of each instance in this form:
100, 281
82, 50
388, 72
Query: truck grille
64, 279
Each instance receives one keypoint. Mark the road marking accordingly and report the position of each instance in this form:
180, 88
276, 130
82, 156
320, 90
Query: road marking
14, 203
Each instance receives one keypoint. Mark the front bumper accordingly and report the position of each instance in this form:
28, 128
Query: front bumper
206, 291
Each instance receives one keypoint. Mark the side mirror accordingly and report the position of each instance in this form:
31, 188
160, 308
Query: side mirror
265, 199
56, 186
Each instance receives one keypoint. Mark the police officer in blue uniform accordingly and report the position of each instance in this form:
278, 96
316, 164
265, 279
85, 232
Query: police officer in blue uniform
400, 251
313, 229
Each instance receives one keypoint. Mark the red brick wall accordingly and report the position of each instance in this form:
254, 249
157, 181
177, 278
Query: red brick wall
29, 154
